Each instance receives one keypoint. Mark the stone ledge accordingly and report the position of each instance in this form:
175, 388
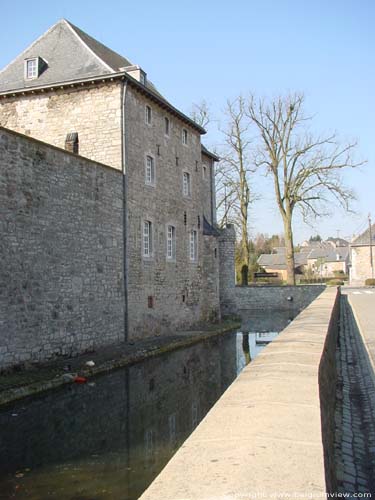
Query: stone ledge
106, 359
264, 435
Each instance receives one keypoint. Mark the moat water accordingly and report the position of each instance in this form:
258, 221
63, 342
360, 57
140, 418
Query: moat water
108, 439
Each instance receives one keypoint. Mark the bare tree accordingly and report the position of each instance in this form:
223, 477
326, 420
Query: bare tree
233, 173
200, 113
306, 170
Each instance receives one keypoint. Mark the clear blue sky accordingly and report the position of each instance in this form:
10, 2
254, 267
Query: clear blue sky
213, 50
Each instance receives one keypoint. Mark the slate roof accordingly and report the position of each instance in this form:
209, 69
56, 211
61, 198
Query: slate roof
71, 55
338, 242
278, 260
329, 254
364, 238
208, 153
208, 229
318, 253
341, 252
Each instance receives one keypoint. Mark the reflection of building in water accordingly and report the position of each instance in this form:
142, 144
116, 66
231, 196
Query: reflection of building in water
122, 430
246, 347
265, 337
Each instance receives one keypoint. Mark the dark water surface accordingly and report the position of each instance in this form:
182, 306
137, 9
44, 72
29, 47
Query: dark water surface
110, 438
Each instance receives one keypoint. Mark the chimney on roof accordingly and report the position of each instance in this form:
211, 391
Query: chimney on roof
72, 143
137, 73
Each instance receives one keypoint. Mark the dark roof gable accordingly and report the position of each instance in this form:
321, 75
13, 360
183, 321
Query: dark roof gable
68, 54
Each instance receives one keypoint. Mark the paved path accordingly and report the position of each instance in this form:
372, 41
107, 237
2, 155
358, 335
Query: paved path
355, 410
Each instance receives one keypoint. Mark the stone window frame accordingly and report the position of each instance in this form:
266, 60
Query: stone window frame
148, 238
150, 180
171, 256
185, 137
186, 184
148, 115
205, 170
35, 63
193, 245
167, 128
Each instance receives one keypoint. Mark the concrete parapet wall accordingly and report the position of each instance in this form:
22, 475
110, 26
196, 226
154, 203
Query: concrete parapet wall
265, 435
276, 297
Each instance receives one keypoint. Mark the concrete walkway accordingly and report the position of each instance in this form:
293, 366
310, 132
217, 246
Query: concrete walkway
263, 438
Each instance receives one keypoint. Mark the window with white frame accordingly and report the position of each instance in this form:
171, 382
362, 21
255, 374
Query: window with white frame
167, 126
171, 242
148, 115
186, 184
147, 238
150, 171
184, 136
31, 68
193, 245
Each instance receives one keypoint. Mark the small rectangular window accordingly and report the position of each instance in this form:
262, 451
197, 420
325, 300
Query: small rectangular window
193, 245
171, 242
186, 184
184, 136
166, 126
150, 171
204, 172
148, 115
32, 68
147, 238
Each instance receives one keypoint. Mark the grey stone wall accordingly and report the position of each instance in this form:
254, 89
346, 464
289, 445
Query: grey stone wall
94, 113
178, 286
276, 297
327, 395
61, 255
208, 185
228, 299
210, 299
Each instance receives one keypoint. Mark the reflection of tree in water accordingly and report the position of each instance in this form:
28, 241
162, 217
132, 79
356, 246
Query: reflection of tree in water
246, 347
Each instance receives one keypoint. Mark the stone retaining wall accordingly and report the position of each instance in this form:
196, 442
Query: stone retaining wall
61, 271
276, 297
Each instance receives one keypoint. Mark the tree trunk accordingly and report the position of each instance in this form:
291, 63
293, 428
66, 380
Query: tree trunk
291, 279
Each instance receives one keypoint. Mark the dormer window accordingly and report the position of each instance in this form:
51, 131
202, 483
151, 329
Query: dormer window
31, 68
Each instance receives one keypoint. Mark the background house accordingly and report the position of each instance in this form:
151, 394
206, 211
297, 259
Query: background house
316, 258
362, 251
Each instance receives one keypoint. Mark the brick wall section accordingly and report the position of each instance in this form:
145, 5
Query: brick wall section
276, 297
94, 112
61, 253
177, 287
361, 268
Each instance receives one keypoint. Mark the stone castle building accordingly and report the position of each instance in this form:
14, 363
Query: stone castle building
144, 230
